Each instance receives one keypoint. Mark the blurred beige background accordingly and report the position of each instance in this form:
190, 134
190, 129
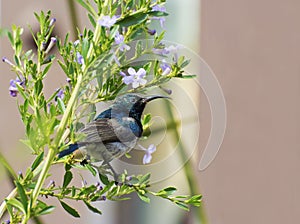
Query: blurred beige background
253, 48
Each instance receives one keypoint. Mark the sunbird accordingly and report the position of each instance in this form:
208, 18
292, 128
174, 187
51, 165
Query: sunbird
114, 131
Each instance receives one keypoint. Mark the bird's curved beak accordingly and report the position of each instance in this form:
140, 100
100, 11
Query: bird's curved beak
150, 98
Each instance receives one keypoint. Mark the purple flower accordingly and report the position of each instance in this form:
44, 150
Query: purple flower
52, 21
60, 94
53, 40
102, 198
119, 39
5, 60
107, 21
162, 20
13, 90
135, 78
159, 8
172, 49
76, 42
99, 187
51, 184
151, 32
79, 58
147, 157
166, 68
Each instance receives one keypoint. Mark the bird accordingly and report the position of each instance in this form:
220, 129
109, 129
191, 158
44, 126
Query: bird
114, 132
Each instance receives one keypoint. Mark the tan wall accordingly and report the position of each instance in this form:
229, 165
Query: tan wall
253, 47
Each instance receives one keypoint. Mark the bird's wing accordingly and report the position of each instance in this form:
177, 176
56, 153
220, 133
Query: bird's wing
107, 130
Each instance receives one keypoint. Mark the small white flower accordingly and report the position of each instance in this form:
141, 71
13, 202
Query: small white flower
136, 79
147, 157
107, 21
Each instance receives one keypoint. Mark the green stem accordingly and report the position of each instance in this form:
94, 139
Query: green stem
53, 150
61, 129
188, 168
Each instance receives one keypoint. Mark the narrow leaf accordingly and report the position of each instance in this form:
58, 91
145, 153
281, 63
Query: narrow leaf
22, 195
17, 204
144, 198
37, 161
91, 169
91, 208
46, 210
133, 19
67, 178
104, 179
182, 205
69, 209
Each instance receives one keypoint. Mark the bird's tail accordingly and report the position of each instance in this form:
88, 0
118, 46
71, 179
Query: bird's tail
68, 151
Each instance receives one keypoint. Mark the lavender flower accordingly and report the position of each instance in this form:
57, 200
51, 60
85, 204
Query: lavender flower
79, 58
151, 32
119, 39
5, 60
147, 157
51, 184
115, 58
53, 41
99, 187
135, 78
76, 42
52, 21
107, 21
162, 20
172, 49
13, 90
60, 94
166, 68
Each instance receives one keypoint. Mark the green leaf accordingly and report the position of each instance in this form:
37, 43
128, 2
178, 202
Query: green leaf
10, 37
167, 191
91, 169
104, 179
134, 19
145, 179
188, 76
185, 63
91, 208
16, 203
157, 13
69, 209
92, 20
146, 119
38, 86
37, 161
85, 47
67, 178
182, 205
144, 197
61, 105
46, 210
22, 195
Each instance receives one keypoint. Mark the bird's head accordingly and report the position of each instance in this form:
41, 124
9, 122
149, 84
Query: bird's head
134, 104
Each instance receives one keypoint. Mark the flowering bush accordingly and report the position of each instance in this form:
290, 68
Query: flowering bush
116, 56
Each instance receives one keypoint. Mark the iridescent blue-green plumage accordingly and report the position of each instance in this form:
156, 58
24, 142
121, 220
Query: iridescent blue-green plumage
114, 131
